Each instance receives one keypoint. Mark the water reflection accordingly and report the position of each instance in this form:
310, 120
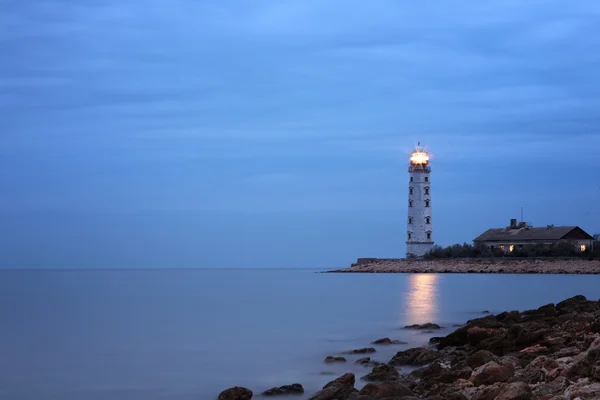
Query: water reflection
421, 298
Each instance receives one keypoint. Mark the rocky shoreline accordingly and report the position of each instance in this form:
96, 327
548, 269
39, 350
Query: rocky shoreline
477, 266
550, 353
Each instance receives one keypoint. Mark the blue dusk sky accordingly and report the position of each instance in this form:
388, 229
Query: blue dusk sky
275, 133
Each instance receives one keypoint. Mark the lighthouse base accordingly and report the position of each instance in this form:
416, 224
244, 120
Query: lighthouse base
418, 249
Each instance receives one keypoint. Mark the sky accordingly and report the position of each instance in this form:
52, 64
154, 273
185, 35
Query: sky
273, 133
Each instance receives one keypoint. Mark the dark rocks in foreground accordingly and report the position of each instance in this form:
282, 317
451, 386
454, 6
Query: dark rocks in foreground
550, 353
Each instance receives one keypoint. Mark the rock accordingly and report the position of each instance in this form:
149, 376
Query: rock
338, 389
584, 364
476, 334
331, 359
515, 391
491, 373
362, 351
534, 349
426, 326
551, 389
236, 393
584, 390
388, 341
538, 370
382, 373
415, 356
456, 338
436, 340
294, 388
385, 389
480, 358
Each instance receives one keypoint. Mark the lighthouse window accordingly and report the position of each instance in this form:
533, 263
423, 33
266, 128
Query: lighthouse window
426, 203
409, 236
410, 220
410, 203
411, 179
411, 190
427, 190
428, 235
427, 220
426, 179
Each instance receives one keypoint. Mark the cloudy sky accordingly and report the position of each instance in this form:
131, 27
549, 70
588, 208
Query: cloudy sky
276, 133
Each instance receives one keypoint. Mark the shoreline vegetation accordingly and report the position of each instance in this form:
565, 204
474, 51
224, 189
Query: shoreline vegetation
550, 353
475, 266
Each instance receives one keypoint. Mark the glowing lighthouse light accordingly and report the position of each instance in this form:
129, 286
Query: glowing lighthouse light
419, 157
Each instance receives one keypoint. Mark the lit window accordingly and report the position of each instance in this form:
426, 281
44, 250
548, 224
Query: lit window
502, 248
410, 220
410, 203
511, 248
411, 190
427, 220
583, 247
427, 190
426, 203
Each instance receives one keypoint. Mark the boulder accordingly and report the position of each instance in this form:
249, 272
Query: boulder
366, 361
294, 388
584, 389
382, 390
338, 389
584, 364
539, 370
331, 359
415, 356
365, 350
382, 373
515, 391
236, 393
426, 326
551, 389
479, 358
491, 373
456, 338
476, 334
388, 341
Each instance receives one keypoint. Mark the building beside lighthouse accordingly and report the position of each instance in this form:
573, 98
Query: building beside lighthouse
419, 232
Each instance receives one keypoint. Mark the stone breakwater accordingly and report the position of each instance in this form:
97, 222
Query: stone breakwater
477, 266
550, 353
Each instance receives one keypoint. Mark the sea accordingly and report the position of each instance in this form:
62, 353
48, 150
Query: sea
189, 334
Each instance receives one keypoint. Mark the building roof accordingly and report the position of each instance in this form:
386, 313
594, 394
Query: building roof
527, 234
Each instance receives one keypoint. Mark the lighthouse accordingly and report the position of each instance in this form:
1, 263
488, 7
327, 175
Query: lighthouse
419, 234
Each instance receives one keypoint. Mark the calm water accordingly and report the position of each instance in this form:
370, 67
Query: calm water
188, 334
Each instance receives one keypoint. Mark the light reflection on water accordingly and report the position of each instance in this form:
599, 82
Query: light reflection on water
422, 298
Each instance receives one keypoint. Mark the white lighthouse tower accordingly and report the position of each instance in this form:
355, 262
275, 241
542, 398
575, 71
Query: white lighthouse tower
419, 235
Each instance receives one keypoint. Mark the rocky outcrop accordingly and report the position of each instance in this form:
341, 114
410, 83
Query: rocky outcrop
294, 388
417, 356
365, 350
236, 393
332, 359
385, 341
382, 373
338, 389
426, 326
